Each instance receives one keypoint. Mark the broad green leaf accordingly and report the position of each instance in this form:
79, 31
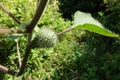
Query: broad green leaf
86, 22
96, 29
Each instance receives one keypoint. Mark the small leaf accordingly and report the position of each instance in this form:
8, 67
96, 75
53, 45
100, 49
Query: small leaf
15, 37
36, 29
22, 26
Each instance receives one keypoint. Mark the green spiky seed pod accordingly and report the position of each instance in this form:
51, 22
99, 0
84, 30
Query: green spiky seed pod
47, 38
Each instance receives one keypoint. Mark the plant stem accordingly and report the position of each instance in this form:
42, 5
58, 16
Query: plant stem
10, 31
67, 30
27, 52
10, 14
40, 8
18, 53
6, 70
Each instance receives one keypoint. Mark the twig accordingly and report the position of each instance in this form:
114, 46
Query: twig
10, 14
10, 31
6, 70
65, 31
18, 53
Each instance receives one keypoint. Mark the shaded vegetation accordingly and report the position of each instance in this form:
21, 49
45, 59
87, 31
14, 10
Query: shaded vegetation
69, 7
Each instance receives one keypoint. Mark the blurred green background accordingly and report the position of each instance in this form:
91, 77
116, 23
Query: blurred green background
78, 55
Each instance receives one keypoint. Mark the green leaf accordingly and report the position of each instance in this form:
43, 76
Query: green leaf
36, 29
96, 29
86, 22
81, 18
22, 26
15, 37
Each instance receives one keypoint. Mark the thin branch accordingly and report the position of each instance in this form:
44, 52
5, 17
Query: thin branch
27, 52
65, 31
39, 11
18, 53
10, 14
10, 31
6, 70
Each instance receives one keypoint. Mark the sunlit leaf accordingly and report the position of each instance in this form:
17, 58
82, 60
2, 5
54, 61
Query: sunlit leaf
86, 22
96, 29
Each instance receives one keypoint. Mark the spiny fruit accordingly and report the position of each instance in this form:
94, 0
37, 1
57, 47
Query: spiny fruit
47, 38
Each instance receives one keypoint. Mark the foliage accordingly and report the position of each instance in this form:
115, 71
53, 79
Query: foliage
69, 7
113, 18
79, 55
5, 48
21, 9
